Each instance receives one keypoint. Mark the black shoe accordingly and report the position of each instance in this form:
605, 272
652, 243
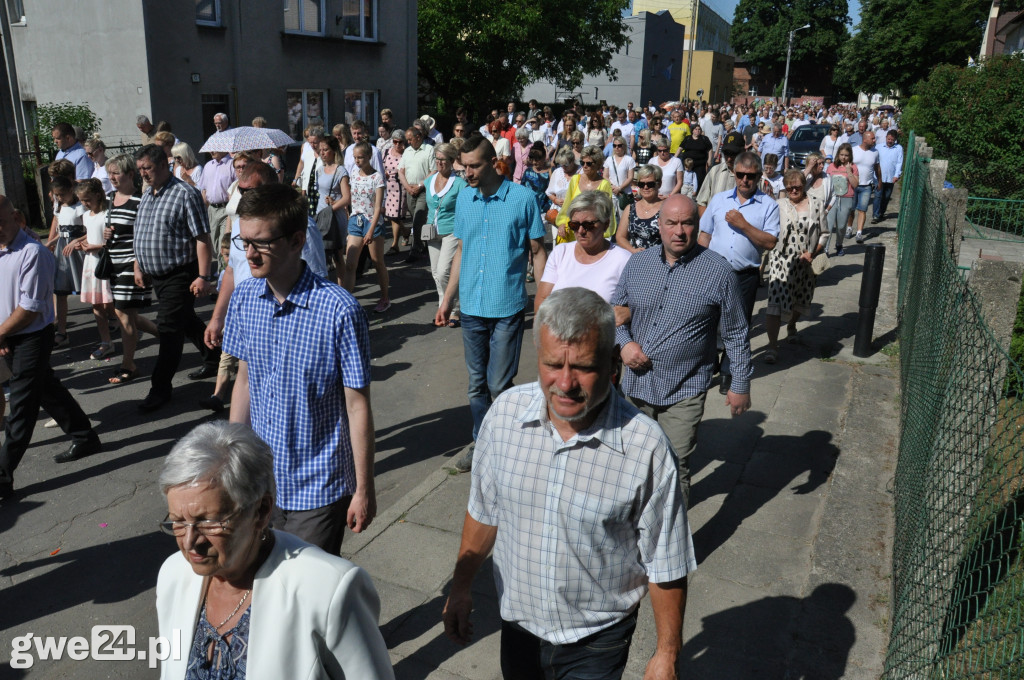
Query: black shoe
723, 387
6, 491
203, 373
153, 401
413, 257
213, 402
80, 450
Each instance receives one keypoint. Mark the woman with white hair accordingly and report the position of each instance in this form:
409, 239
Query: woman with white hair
252, 602
186, 166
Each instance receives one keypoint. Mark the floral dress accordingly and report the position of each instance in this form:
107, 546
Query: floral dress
394, 194
643, 232
790, 279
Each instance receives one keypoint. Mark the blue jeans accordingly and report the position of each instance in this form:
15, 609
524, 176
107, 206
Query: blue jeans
492, 348
601, 656
863, 196
882, 197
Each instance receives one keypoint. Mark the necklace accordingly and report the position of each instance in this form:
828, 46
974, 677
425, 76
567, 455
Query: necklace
235, 610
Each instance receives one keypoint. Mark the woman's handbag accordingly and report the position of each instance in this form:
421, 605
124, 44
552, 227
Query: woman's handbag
821, 261
105, 266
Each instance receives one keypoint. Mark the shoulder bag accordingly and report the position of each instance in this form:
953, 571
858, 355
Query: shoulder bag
105, 265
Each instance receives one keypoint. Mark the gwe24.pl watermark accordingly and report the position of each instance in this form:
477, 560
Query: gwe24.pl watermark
105, 643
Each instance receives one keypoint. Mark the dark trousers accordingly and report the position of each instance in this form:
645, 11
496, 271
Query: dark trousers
323, 527
34, 385
748, 293
601, 656
882, 199
176, 319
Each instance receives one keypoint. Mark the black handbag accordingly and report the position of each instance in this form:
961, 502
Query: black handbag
105, 266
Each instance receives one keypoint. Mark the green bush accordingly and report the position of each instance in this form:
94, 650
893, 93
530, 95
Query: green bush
972, 117
48, 115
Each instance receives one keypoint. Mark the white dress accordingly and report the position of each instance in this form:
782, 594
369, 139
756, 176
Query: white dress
94, 291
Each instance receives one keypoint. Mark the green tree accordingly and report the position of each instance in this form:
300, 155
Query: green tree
760, 34
899, 41
476, 53
971, 117
48, 115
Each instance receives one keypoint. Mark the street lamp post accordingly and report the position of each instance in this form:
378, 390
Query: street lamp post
789, 53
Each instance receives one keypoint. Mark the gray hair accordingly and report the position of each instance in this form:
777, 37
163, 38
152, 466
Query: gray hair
522, 133
316, 131
594, 153
446, 150
183, 151
142, 120
123, 163
749, 159
565, 156
570, 314
649, 170
222, 115
398, 134
597, 202
228, 455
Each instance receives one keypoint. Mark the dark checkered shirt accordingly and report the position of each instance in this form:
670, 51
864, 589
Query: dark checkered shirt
167, 225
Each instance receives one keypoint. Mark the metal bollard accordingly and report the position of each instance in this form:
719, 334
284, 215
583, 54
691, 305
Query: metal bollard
870, 287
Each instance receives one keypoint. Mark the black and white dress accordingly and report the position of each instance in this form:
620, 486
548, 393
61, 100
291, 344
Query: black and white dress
122, 253
790, 279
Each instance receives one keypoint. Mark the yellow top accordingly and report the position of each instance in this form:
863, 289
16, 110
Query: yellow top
572, 192
679, 132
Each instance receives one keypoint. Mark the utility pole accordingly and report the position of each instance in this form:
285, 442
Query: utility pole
789, 53
693, 30
12, 182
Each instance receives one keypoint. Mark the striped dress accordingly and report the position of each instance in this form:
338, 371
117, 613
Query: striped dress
122, 253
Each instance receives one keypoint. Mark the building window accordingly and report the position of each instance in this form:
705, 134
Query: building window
208, 12
305, 108
304, 16
359, 19
361, 105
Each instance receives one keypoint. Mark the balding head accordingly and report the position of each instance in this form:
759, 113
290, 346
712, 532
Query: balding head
677, 224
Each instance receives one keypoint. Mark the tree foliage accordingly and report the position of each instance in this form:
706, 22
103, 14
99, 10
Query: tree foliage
48, 115
971, 116
760, 34
899, 41
476, 53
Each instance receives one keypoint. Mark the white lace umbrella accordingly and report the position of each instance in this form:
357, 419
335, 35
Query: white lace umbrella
246, 139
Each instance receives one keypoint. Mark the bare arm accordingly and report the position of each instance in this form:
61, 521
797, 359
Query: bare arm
363, 507
240, 396
543, 290
668, 600
345, 199
540, 257
679, 182
444, 311
622, 232
477, 542
214, 334
703, 238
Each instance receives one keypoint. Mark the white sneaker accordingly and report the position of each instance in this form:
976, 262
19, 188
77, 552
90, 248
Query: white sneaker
860, 237
849, 233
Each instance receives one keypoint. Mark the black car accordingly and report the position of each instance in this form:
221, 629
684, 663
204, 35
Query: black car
805, 139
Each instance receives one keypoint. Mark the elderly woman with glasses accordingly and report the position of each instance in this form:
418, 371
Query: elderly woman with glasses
592, 261
589, 179
790, 277
671, 167
256, 603
638, 225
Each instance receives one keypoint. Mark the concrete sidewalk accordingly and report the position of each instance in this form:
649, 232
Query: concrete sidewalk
791, 515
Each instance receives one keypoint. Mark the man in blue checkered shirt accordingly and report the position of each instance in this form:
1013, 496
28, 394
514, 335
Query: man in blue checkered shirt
671, 299
303, 383
577, 492
497, 227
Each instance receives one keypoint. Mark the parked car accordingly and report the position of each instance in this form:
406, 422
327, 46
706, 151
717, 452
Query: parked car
805, 139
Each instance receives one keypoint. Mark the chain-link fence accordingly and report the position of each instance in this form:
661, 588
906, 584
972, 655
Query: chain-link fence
958, 581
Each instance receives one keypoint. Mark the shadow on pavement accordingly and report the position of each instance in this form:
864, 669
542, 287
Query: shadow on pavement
424, 437
776, 637
112, 572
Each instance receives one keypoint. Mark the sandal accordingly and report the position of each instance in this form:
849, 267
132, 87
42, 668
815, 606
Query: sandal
60, 339
382, 306
393, 250
771, 356
123, 375
454, 322
104, 350
791, 335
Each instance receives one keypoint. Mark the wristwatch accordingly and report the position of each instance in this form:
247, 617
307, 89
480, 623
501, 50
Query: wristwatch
211, 278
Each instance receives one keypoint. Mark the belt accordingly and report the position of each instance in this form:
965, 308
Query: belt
219, 205
747, 271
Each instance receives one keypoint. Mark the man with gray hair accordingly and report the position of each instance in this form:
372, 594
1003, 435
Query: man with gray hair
577, 492
146, 129
221, 122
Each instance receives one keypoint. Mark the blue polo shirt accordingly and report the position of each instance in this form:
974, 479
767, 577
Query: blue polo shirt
495, 232
761, 211
776, 145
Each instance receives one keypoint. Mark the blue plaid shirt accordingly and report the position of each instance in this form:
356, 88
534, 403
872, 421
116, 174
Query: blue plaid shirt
301, 355
583, 525
675, 315
495, 232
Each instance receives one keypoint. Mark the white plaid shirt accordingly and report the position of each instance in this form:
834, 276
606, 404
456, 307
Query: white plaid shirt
166, 227
583, 525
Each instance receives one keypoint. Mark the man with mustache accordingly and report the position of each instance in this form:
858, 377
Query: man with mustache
578, 494
673, 299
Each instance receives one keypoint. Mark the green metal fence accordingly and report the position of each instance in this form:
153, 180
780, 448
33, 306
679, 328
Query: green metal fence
958, 580
995, 219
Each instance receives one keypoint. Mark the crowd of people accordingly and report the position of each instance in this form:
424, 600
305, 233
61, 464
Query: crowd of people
663, 225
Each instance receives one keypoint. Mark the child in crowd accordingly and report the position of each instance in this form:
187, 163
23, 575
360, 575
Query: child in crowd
690, 183
68, 226
95, 291
771, 183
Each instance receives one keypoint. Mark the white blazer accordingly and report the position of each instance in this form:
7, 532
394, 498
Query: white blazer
313, 616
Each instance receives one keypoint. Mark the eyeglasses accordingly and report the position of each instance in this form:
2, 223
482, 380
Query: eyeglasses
258, 246
441, 159
206, 527
661, 150
618, 146
794, 188
747, 175
647, 185
588, 225
587, 164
